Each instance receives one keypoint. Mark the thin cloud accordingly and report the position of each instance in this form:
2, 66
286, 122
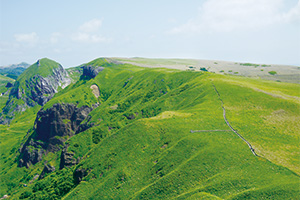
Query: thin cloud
89, 38
91, 26
293, 14
89, 33
231, 15
30, 38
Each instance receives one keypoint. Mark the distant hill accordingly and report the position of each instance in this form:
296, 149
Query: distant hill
12, 66
280, 73
14, 70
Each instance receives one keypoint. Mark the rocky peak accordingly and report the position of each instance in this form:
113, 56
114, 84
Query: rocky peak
35, 86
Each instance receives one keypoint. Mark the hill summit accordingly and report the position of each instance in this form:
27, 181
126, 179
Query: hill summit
35, 86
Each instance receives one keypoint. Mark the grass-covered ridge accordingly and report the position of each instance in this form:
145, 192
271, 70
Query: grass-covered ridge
43, 67
142, 146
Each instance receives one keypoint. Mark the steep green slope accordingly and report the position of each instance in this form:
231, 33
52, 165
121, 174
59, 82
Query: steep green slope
141, 145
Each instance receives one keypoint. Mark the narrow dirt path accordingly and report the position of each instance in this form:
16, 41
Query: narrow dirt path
194, 131
224, 115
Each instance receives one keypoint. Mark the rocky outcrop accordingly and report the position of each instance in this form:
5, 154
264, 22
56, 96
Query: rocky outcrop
51, 129
79, 174
31, 153
90, 71
47, 169
67, 159
41, 89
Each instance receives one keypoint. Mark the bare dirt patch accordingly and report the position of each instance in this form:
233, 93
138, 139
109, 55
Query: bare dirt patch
95, 90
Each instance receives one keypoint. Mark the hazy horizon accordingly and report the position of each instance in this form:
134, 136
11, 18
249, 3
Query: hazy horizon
265, 31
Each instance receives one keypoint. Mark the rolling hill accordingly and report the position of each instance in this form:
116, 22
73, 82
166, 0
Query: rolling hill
122, 131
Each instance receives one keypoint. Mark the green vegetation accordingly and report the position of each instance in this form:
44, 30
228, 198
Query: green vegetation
35, 69
3, 81
249, 64
141, 146
266, 65
272, 72
4, 91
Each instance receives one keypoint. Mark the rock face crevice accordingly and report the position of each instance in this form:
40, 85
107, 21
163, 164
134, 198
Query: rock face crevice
52, 128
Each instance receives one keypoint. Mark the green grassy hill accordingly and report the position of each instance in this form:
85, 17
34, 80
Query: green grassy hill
141, 145
42, 67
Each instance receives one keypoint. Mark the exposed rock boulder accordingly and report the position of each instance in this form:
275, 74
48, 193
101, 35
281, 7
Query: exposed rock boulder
79, 174
90, 71
47, 169
67, 159
9, 84
51, 129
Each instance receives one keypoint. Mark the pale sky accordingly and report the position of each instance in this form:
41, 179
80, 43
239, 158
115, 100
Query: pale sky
75, 32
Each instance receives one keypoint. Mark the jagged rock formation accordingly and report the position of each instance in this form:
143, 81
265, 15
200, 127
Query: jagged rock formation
90, 71
67, 159
47, 169
32, 89
31, 153
43, 89
52, 128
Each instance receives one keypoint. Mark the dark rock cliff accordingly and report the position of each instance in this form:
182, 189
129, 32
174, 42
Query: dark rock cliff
52, 128
90, 71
